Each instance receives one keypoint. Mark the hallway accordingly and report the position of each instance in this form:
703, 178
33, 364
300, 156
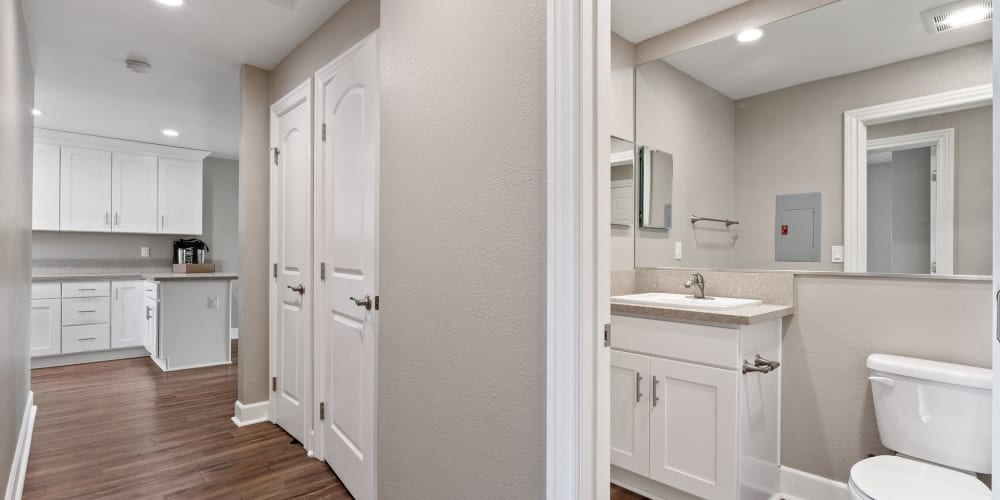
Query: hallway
124, 429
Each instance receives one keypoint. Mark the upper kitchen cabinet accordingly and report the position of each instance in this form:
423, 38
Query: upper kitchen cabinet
45, 195
98, 184
180, 196
133, 193
85, 190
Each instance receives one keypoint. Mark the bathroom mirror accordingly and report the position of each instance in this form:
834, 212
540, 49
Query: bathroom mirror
656, 181
749, 120
622, 182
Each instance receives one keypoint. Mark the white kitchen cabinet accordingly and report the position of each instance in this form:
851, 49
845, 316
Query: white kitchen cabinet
85, 190
46, 325
128, 314
151, 335
630, 411
180, 196
710, 430
133, 193
45, 188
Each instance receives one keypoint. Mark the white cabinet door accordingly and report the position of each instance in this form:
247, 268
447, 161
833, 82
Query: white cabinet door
133, 194
630, 394
46, 327
45, 188
151, 339
128, 314
693, 428
85, 190
180, 196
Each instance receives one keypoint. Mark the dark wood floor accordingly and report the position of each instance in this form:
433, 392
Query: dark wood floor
619, 493
124, 429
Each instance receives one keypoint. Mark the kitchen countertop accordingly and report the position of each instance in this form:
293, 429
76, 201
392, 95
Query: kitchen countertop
122, 273
749, 315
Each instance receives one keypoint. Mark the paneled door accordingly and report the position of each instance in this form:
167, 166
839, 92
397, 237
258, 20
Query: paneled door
630, 398
45, 188
347, 172
85, 190
128, 314
179, 196
133, 193
291, 254
693, 440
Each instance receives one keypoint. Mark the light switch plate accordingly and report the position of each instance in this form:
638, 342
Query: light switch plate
838, 253
213, 302
143, 251
678, 247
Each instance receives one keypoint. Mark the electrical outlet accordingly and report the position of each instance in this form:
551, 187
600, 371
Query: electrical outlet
213, 302
838, 253
143, 251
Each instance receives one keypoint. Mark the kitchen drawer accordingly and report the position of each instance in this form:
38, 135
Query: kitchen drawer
702, 344
73, 289
87, 311
45, 291
86, 338
152, 290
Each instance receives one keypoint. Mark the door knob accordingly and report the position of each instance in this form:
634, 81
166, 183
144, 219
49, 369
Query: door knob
301, 288
365, 302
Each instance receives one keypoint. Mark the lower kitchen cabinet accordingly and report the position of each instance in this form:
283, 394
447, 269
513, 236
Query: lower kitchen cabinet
46, 324
128, 314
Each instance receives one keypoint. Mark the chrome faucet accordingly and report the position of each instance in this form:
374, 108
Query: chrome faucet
697, 280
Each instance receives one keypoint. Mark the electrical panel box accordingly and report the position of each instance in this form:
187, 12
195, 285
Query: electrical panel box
798, 226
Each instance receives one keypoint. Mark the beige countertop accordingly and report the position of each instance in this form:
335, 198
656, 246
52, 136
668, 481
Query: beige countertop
741, 316
41, 276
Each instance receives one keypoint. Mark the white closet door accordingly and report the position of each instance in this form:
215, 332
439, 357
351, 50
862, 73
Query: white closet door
45, 188
347, 172
180, 196
85, 190
291, 251
133, 193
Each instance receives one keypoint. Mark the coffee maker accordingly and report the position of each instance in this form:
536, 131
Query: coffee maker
190, 251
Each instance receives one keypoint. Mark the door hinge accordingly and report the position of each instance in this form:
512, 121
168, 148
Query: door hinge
933, 176
322, 411
276, 153
607, 335
376, 303
324, 132
933, 267
275, 272
274, 384
322, 270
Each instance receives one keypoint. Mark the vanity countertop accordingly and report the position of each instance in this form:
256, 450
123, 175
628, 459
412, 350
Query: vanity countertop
749, 315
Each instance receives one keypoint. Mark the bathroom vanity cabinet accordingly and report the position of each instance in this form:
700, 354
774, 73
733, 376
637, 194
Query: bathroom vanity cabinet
686, 421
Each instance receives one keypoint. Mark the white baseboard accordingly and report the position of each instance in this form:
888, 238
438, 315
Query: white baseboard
799, 485
250, 414
89, 357
234, 333
18, 468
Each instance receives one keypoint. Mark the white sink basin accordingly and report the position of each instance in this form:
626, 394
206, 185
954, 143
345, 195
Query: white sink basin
684, 301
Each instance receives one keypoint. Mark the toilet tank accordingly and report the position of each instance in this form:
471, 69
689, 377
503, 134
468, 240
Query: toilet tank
933, 411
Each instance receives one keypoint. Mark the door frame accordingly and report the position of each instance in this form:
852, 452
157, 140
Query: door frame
942, 196
856, 123
578, 249
321, 77
298, 95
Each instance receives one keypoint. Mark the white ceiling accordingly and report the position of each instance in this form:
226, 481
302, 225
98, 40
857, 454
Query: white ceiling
637, 20
79, 47
841, 38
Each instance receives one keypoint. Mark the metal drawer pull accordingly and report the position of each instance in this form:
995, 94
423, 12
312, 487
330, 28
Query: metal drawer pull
638, 395
87, 311
760, 365
655, 397
87, 289
149, 311
87, 338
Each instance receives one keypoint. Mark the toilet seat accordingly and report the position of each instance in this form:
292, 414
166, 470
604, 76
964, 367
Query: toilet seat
895, 478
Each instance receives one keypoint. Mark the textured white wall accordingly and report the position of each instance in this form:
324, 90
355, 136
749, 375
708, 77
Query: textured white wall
463, 208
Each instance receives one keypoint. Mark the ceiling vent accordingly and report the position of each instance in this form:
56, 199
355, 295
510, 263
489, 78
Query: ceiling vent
957, 15
139, 67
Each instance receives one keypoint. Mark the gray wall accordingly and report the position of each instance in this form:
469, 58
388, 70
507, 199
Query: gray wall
973, 180
17, 83
354, 21
462, 327
221, 220
805, 123
828, 420
253, 233
684, 117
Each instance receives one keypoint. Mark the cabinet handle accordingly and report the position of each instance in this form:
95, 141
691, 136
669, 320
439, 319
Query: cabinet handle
149, 311
116, 295
638, 394
87, 311
116, 220
163, 222
655, 397
87, 338
87, 289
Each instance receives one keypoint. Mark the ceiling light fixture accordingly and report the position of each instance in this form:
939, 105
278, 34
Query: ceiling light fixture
169, 132
36, 112
957, 15
749, 35
172, 3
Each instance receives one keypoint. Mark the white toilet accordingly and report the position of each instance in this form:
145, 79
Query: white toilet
936, 417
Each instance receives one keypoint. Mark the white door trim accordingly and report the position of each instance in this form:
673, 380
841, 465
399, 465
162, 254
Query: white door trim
856, 123
300, 94
578, 250
19, 464
942, 198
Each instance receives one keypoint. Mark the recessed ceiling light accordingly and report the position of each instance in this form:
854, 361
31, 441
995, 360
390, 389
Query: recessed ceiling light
750, 35
36, 112
169, 132
172, 3
957, 15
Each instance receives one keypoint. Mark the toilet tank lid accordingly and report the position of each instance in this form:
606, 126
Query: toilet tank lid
937, 371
